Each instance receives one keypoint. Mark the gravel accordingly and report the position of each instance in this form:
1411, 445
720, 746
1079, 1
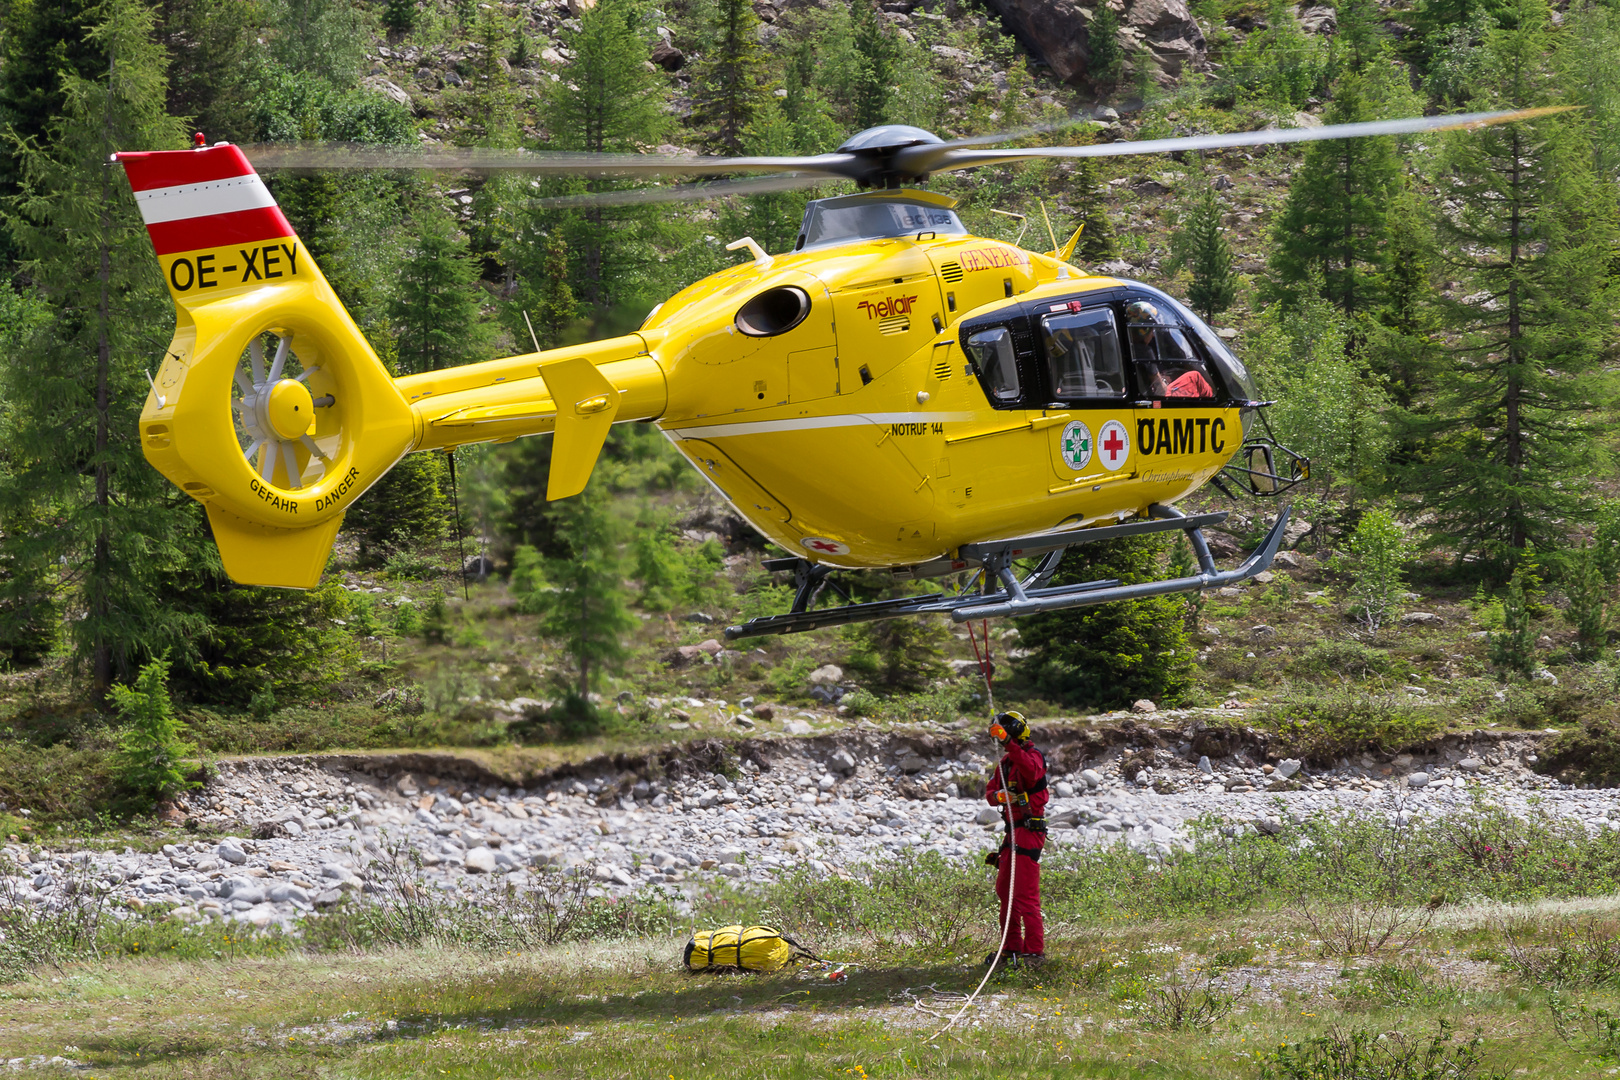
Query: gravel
312, 832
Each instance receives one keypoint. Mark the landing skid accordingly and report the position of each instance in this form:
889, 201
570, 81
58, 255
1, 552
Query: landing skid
991, 563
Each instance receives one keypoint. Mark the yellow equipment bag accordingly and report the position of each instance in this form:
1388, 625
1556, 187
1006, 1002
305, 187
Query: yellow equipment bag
746, 948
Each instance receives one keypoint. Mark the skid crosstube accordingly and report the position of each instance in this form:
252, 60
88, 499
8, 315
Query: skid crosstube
992, 563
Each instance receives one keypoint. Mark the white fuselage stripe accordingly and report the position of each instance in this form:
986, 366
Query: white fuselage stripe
812, 423
203, 200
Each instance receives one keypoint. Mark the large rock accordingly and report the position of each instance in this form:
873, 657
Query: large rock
1058, 31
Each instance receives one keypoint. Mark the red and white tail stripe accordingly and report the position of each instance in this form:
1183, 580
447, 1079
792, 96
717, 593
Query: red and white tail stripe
196, 199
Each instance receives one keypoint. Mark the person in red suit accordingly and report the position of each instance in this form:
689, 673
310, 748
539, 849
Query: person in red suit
1018, 789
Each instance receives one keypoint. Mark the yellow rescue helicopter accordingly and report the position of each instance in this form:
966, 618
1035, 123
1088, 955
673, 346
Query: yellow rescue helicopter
893, 393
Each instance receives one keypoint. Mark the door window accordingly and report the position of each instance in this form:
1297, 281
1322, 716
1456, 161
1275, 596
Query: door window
1167, 366
1082, 356
997, 364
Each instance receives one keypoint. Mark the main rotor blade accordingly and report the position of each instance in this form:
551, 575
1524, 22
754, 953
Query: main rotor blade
967, 159
267, 156
685, 192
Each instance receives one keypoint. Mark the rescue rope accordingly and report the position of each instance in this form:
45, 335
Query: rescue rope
455, 503
1012, 847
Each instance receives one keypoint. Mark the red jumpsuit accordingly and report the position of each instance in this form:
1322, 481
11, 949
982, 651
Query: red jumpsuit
1025, 770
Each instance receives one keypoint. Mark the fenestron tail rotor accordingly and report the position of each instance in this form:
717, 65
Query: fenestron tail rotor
286, 422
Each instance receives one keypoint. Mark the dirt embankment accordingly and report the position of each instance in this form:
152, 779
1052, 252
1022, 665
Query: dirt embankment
1069, 748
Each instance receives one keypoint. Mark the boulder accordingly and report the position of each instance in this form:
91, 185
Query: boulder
1418, 780
480, 860
1287, 767
1058, 31
1421, 618
842, 761
1317, 19
913, 763
826, 675
388, 90
230, 852
1143, 705
1092, 778
667, 56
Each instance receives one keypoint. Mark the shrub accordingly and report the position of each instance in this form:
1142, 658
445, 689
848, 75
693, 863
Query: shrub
1374, 1055
1589, 754
1323, 725
1378, 550
1342, 658
1513, 648
152, 754
1589, 593
1110, 655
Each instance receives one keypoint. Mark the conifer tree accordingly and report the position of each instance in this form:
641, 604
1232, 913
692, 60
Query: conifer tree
588, 614
1091, 210
606, 101
30, 608
435, 308
1334, 222
399, 18
1511, 434
1361, 38
42, 44
805, 107
1106, 64
554, 307
79, 383
409, 507
773, 219
492, 86
877, 56
731, 81
1201, 248
212, 54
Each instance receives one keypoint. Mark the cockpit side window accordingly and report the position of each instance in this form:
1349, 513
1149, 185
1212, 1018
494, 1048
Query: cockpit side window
1082, 356
1167, 366
997, 363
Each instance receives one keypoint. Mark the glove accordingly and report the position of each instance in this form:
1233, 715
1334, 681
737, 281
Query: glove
997, 732
1001, 797
993, 859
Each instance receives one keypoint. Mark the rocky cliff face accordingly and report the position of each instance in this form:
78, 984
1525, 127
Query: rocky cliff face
1058, 32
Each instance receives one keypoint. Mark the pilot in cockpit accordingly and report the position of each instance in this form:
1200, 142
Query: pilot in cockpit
1166, 364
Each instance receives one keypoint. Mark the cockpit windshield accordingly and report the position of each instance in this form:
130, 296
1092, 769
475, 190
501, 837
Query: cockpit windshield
839, 221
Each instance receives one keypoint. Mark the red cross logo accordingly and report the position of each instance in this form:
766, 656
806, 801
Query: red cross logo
1115, 443
821, 545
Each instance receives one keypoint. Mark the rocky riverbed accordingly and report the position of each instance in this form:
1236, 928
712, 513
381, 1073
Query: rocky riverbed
311, 831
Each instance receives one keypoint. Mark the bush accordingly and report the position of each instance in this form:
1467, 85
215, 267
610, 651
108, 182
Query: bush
1375, 1055
1590, 754
151, 752
1322, 726
1378, 548
1342, 658
1513, 648
1110, 655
